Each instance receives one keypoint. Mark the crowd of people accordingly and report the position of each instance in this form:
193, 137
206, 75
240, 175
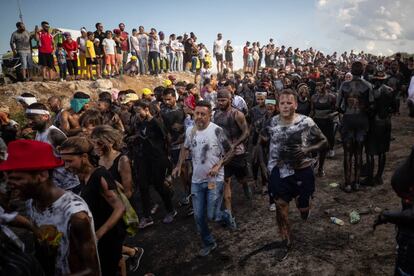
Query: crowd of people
272, 128
107, 53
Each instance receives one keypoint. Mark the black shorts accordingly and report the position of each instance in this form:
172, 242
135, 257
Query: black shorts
237, 167
46, 60
229, 57
219, 57
354, 127
89, 61
301, 185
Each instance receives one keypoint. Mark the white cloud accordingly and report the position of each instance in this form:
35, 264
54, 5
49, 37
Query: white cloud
370, 46
322, 3
377, 25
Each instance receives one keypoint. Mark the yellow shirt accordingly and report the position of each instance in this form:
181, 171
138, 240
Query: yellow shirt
90, 49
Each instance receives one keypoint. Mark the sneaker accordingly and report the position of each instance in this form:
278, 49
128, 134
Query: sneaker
145, 222
169, 217
184, 201
133, 261
356, 186
205, 251
154, 209
346, 188
272, 207
282, 252
321, 173
190, 211
229, 220
331, 154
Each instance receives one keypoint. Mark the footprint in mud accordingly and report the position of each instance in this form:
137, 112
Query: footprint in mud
280, 253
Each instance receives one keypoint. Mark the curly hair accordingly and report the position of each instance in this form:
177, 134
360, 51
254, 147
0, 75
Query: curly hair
109, 136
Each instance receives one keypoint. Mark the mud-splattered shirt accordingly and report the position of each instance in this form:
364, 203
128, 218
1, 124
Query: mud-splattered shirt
54, 231
207, 147
287, 140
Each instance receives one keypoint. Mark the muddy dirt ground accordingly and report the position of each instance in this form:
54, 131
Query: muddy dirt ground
320, 247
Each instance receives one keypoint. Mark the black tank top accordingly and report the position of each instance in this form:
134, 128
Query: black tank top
113, 170
92, 194
227, 121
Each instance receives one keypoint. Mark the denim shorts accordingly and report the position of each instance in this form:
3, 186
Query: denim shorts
26, 60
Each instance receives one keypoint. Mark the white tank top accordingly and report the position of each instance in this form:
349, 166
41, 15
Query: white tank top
54, 228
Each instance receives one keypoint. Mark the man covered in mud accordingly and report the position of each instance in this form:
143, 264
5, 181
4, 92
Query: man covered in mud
355, 100
292, 140
210, 151
379, 134
70, 118
173, 117
234, 124
403, 185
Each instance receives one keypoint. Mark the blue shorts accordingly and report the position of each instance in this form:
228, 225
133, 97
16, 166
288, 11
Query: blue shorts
300, 185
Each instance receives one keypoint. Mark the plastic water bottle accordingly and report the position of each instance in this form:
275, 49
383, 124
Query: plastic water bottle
337, 221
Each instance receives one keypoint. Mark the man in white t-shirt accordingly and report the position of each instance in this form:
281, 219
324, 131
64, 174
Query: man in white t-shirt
218, 52
173, 44
210, 150
154, 52
180, 53
142, 37
109, 46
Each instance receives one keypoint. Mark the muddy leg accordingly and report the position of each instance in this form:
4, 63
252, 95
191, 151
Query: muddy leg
282, 219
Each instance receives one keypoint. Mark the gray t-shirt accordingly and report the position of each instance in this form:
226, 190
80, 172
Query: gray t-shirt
21, 41
207, 147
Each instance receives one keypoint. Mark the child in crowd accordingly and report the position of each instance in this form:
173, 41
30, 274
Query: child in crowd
205, 73
61, 60
90, 55
99, 57
210, 95
109, 47
132, 67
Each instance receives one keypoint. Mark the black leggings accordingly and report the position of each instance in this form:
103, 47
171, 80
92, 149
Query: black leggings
327, 128
72, 67
152, 173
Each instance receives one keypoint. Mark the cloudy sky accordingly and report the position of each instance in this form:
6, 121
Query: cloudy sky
376, 26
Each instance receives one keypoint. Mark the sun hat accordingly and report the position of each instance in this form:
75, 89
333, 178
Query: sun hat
167, 83
146, 91
30, 155
130, 97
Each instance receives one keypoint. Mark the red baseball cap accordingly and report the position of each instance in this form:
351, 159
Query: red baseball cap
30, 155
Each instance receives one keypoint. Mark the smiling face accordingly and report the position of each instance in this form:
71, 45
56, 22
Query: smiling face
25, 185
74, 163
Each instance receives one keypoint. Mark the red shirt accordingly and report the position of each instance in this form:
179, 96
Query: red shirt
71, 48
245, 51
124, 43
46, 43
